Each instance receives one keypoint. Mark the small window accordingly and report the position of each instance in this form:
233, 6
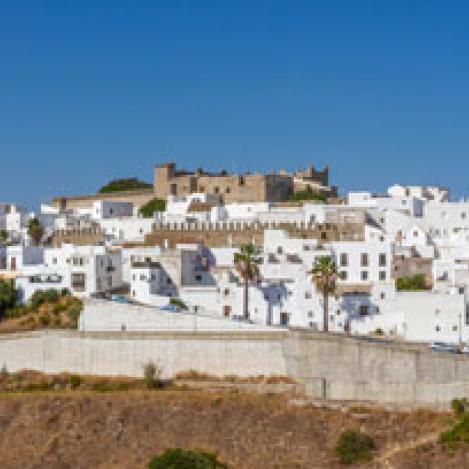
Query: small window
382, 295
216, 190
382, 260
227, 190
454, 328
364, 275
364, 259
437, 328
363, 310
307, 295
382, 275
198, 278
343, 275
344, 259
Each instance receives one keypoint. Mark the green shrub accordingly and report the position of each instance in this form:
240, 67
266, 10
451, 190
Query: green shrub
458, 434
44, 319
459, 406
379, 332
8, 295
354, 447
106, 386
185, 459
126, 184
152, 375
178, 302
65, 292
75, 381
413, 283
154, 205
308, 194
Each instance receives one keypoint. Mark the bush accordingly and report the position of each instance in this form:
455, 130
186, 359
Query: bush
413, 283
308, 194
40, 297
75, 381
154, 205
44, 319
186, 459
458, 434
178, 302
152, 375
8, 295
379, 332
127, 184
459, 406
354, 447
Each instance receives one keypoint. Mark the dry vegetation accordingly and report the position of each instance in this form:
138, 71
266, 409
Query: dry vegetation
61, 422
45, 311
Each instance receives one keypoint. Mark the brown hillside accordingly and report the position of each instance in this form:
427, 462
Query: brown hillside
83, 429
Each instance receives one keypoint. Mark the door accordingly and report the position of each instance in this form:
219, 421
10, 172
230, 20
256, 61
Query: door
227, 311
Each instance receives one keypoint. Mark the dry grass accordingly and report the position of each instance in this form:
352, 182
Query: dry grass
83, 429
62, 314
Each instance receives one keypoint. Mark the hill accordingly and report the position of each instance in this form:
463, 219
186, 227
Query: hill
61, 429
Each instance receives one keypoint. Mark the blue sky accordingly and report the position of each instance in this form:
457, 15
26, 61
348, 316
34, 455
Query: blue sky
95, 90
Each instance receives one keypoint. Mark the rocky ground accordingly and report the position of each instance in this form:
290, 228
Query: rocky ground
83, 428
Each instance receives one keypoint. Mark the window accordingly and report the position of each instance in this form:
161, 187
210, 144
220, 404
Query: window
307, 295
463, 215
382, 260
364, 275
382, 295
382, 275
241, 180
216, 190
198, 278
284, 319
343, 275
78, 282
454, 328
310, 314
280, 250
344, 259
416, 234
226, 292
364, 259
363, 310
437, 328
227, 190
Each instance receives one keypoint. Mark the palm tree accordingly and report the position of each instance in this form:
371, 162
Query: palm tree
246, 262
324, 273
35, 230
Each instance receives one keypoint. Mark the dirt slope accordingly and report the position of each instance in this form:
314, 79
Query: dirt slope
124, 429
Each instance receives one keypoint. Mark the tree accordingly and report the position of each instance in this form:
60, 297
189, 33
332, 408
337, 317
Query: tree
186, 459
128, 184
3, 236
8, 295
308, 194
154, 205
246, 262
324, 273
35, 230
354, 447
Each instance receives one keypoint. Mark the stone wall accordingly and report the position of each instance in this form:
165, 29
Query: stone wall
328, 366
237, 234
137, 197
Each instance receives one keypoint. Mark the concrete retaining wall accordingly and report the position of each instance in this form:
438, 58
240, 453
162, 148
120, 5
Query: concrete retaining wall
329, 366
221, 354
